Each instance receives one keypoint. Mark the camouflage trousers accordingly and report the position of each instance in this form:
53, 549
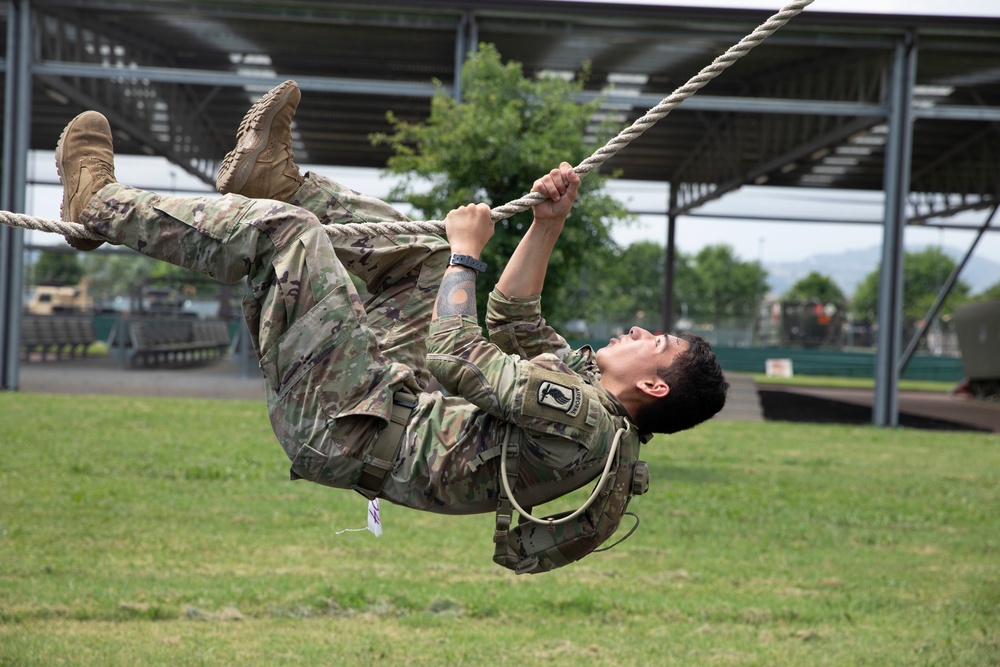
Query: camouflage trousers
331, 360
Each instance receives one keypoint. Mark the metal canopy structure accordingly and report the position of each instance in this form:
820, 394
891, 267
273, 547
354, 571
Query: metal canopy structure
905, 105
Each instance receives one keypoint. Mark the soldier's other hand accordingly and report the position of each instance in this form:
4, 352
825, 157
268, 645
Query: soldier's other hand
561, 186
469, 228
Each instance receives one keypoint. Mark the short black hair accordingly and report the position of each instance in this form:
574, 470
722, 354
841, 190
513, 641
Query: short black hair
698, 390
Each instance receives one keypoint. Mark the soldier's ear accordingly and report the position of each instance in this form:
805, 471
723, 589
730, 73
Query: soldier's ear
654, 387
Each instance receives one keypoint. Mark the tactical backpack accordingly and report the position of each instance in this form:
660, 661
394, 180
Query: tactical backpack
540, 545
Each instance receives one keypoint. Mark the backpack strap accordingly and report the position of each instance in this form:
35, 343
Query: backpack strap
384, 452
505, 506
540, 545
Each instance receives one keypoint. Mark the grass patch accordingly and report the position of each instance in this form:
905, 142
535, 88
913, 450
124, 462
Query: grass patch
165, 532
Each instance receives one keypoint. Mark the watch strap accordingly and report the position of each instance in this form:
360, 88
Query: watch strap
470, 262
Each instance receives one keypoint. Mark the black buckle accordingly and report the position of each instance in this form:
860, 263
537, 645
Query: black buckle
405, 399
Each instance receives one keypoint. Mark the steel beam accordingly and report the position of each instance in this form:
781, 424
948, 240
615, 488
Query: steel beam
232, 79
669, 289
466, 43
150, 107
16, 133
125, 123
749, 217
461, 49
799, 152
958, 112
720, 103
885, 411
922, 218
543, 23
764, 105
943, 294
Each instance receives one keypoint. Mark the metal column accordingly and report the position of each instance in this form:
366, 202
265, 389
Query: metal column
466, 42
16, 133
669, 261
885, 411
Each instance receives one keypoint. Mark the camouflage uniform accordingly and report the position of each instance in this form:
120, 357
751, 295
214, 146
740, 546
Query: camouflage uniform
333, 362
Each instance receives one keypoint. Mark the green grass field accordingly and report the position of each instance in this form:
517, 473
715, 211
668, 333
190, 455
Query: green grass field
164, 532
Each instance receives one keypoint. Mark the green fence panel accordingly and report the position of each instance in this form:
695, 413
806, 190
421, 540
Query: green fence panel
103, 325
836, 363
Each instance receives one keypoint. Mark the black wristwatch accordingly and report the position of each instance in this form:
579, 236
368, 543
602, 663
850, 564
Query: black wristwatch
470, 262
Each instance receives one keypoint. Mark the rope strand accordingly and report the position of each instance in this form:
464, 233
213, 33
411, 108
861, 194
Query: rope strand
74, 229
600, 156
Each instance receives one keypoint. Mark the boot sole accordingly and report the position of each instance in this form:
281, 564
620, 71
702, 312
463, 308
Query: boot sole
79, 243
59, 170
252, 138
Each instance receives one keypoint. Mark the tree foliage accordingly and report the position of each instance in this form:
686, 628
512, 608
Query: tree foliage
724, 285
991, 293
709, 285
816, 287
61, 268
127, 274
117, 275
924, 273
626, 285
507, 132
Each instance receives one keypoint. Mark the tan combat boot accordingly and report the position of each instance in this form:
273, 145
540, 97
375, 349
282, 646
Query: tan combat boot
262, 166
85, 161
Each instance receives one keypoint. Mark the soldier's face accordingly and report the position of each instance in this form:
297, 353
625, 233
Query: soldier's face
635, 355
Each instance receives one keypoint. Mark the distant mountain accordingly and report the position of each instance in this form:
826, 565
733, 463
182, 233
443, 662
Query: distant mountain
849, 268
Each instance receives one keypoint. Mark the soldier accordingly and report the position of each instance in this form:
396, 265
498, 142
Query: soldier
347, 379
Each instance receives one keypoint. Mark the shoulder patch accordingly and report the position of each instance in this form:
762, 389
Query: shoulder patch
559, 397
554, 402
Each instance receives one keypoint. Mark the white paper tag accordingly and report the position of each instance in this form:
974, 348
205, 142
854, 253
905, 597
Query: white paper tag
374, 517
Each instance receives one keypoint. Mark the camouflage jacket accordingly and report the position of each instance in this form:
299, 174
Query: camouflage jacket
527, 375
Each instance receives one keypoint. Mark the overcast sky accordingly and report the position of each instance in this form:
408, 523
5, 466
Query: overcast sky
766, 241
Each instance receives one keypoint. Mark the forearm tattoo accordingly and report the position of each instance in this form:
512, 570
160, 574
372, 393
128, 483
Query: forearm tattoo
457, 295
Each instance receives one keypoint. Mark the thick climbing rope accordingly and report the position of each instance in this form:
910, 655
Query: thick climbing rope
602, 155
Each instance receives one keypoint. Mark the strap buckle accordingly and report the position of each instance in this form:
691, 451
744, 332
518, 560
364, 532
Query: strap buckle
385, 451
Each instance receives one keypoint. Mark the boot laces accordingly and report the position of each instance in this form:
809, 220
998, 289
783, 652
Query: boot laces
103, 171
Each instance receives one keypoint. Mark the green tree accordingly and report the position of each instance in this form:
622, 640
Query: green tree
624, 286
507, 132
815, 287
127, 274
724, 285
118, 275
924, 273
991, 293
630, 285
61, 268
